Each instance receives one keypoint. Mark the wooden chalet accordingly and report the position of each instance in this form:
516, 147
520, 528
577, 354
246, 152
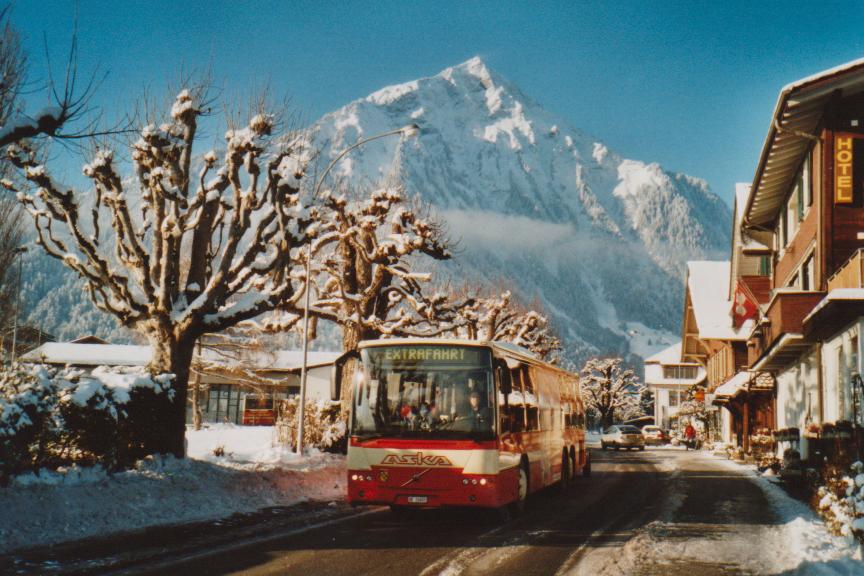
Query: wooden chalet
807, 205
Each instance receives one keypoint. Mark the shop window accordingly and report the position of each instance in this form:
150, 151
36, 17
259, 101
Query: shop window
223, 404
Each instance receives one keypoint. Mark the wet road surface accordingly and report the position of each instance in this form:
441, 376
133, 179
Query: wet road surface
589, 529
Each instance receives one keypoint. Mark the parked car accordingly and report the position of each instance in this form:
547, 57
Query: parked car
654, 435
622, 436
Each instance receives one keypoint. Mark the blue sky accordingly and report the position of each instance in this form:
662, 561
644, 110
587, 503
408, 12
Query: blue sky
690, 85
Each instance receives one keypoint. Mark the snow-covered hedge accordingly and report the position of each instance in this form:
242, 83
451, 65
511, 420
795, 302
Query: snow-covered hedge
51, 417
323, 427
841, 501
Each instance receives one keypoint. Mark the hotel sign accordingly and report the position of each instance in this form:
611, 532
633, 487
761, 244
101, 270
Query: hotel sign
844, 157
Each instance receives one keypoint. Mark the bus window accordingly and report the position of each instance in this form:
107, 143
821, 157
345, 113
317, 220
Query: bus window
517, 402
532, 407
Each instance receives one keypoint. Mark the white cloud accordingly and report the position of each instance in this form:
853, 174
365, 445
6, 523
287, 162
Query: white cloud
496, 231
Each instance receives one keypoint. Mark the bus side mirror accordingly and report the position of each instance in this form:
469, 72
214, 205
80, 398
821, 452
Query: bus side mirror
336, 374
505, 386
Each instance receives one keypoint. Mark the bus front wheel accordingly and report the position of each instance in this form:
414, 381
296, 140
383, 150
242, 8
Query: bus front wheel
522, 494
565, 471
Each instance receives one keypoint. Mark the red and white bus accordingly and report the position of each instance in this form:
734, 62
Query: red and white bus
438, 422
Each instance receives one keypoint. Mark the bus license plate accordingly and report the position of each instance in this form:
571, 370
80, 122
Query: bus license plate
417, 499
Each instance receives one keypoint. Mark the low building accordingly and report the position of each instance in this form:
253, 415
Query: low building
223, 384
713, 337
669, 379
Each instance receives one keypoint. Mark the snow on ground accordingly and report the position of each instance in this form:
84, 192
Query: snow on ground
798, 543
253, 474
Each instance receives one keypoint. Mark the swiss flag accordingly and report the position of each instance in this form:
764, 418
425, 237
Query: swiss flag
744, 305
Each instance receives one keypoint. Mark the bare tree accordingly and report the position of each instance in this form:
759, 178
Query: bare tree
69, 100
363, 265
238, 219
499, 318
11, 238
13, 73
610, 390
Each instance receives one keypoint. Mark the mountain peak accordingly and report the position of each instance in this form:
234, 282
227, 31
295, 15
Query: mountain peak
531, 194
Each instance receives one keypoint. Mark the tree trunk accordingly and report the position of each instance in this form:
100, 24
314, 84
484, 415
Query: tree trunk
606, 418
172, 356
195, 400
351, 337
196, 396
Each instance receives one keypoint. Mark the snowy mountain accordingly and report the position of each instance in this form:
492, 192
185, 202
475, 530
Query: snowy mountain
599, 240
535, 205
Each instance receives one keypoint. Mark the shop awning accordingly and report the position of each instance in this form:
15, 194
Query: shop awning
732, 387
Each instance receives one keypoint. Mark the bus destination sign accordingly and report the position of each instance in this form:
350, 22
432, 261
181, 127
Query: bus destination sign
448, 354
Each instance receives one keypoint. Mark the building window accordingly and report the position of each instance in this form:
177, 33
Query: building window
794, 281
783, 231
793, 216
807, 274
805, 181
673, 398
223, 404
679, 372
764, 265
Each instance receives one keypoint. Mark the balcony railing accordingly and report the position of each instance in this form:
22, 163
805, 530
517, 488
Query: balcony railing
785, 315
850, 274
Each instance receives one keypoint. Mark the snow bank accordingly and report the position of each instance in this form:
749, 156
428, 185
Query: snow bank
75, 502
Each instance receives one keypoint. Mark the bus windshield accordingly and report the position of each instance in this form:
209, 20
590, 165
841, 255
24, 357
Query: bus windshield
425, 391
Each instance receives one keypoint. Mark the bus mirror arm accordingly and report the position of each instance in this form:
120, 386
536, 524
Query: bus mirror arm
336, 373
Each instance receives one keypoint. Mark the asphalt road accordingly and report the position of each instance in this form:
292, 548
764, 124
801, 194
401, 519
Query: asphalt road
550, 535
581, 531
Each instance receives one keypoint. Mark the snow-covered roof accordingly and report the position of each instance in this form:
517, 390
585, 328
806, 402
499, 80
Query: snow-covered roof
708, 284
293, 359
734, 385
130, 355
799, 110
668, 356
90, 354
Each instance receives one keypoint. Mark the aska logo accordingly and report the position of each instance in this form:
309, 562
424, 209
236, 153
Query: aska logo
418, 459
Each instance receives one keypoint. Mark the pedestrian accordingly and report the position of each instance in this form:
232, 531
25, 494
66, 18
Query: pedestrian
690, 436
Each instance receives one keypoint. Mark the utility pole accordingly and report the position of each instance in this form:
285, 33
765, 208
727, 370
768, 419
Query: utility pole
408, 131
18, 253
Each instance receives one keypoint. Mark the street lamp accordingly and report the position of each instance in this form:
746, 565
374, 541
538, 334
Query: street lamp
409, 131
15, 253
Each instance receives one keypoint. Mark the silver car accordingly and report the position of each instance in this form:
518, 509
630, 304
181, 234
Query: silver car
622, 436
